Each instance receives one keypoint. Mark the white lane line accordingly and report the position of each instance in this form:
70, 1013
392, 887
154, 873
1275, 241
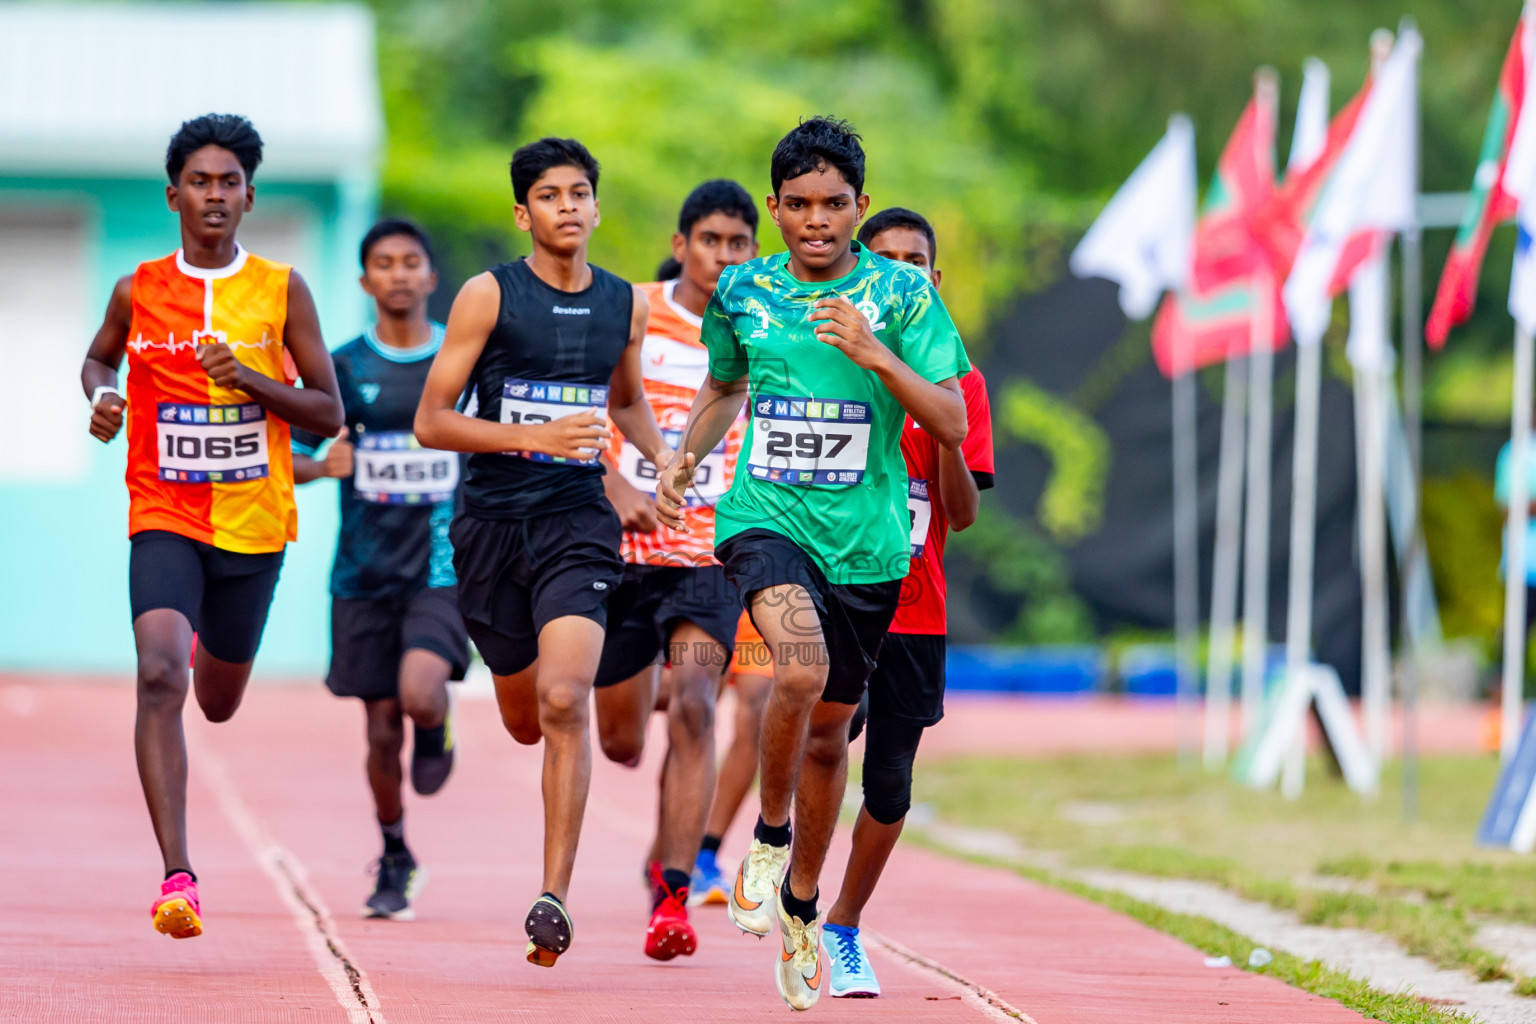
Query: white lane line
310, 915
991, 1005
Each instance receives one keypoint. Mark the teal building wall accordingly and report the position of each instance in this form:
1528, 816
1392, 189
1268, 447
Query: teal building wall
63, 542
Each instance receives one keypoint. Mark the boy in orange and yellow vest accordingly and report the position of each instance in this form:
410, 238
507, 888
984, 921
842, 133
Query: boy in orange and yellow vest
215, 338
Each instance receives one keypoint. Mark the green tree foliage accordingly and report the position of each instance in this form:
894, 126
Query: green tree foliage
1006, 121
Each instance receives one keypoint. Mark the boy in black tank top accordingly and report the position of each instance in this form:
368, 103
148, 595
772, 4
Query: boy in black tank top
546, 343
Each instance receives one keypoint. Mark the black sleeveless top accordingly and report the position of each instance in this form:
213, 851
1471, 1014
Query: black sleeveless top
551, 354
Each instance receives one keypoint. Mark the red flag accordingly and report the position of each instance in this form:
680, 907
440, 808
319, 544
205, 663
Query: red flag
1212, 315
1489, 204
1282, 223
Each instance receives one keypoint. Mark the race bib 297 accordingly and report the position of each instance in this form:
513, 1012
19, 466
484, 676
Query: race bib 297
809, 441
211, 443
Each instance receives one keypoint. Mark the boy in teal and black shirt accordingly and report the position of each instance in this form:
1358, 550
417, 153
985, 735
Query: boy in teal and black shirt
833, 346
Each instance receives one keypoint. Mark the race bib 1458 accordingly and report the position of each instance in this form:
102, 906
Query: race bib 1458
211, 443
391, 467
809, 441
540, 401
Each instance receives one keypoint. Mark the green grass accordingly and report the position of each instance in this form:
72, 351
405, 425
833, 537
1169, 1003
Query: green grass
1216, 940
1423, 883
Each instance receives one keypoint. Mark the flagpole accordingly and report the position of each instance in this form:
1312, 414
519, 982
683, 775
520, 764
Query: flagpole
1515, 553
1369, 348
1298, 619
1261, 364
1186, 548
1229, 524
1413, 390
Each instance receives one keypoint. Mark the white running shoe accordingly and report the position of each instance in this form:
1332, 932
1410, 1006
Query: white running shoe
755, 898
798, 973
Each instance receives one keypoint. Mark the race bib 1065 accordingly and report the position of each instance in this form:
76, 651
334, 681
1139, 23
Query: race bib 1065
710, 480
540, 401
391, 467
211, 443
920, 510
809, 441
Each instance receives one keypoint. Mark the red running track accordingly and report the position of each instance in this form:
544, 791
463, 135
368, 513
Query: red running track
282, 832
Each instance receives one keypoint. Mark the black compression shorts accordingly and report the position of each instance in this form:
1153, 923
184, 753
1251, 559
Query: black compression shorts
225, 595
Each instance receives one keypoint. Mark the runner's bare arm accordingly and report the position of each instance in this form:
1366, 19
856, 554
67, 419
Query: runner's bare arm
104, 357
627, 405
715, 408
337, 462
440, 425
957, 488
636, 509
938, 408
316, 406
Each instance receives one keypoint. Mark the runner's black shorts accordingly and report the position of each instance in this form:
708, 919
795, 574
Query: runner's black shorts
369, 636
652, 601
225, 595
854, 616
518, 575
908, 682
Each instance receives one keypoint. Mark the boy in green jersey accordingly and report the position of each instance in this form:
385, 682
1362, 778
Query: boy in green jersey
836, 346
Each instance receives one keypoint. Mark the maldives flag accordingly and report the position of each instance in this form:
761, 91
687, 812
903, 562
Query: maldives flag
1489, 203
1212, 316
1282, 223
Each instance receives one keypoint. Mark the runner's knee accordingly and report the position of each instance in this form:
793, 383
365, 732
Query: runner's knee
162, 681
386, 737
621, 745
828, 741
801, 681
889, 752
419, 704
691, 712
563, 705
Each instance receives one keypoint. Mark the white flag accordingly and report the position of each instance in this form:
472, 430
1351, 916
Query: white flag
1372, 188
1520, 182
1143, 238
1311, 132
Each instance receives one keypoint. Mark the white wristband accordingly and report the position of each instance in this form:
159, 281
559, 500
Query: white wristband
105, 389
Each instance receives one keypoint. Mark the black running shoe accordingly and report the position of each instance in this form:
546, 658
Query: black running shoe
399, 879
549, 931
432, 757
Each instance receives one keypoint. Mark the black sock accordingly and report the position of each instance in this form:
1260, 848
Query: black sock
430, 742
711, 844
773, 835
181, 871
794, 906
552, 896
674, 879
394, 836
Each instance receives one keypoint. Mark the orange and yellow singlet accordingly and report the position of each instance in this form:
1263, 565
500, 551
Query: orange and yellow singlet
207, 462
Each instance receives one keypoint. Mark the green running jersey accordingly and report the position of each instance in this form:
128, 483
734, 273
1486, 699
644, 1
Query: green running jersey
822, 461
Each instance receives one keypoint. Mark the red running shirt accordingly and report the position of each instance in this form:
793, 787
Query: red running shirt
922, 609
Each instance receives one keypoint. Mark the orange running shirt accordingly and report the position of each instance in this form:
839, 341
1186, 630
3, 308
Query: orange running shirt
207, 462
674, 364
